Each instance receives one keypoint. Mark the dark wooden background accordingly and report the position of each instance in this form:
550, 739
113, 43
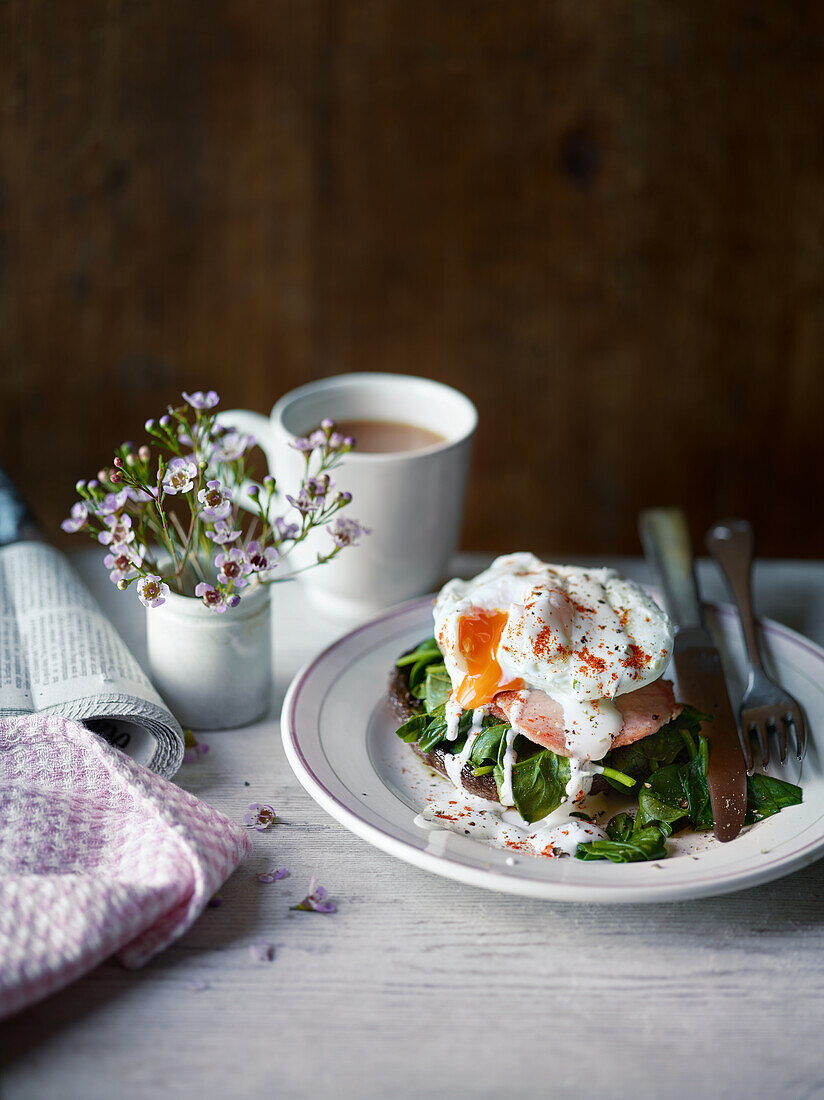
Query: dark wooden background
604, 221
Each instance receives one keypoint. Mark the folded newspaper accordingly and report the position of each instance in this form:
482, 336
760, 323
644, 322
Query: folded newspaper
59, 654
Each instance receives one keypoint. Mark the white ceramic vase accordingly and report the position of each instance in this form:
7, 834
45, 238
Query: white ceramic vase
213, 670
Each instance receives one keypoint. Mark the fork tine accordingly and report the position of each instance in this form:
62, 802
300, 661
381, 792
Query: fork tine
744, 736
782, 726
763, 744
778, 727
796, 716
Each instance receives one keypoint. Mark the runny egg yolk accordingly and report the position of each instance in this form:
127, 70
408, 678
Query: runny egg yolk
479, 632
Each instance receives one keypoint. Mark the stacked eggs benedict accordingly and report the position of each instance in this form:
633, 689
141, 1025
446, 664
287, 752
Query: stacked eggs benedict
539, 697
549, 666
571, 657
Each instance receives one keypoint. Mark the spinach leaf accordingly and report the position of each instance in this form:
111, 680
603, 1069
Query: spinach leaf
678, 792
429, 682
667, 784
767, 796
417, 672
438, 686
697, 791
632, 842
659, 749
427, 650
538, 783
434, 732
487, 744
656, 807
418, 661
413, 727
620, 827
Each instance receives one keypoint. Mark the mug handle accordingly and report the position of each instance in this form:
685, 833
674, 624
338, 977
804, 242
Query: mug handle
258, 425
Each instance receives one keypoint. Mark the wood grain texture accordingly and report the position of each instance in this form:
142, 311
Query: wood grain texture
419, 985
603, 222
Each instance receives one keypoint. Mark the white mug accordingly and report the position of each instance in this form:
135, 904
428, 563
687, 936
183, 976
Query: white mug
411, 500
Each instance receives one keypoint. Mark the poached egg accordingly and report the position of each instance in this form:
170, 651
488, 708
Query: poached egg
577, 636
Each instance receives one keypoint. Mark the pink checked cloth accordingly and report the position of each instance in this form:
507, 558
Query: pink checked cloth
97, 856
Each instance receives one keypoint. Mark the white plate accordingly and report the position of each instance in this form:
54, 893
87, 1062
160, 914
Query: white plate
339, 739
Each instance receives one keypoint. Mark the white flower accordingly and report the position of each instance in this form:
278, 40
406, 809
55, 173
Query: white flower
216, 501
122, 561
233, 567
179, 477
152, 590
111, 503
215, 599
261, 560
77, 518
232, 446
346, 532
286, 530
201, 400
223, 533
120, 531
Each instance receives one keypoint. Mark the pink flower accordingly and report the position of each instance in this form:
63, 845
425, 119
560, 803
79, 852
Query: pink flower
261, 560
194, 749
122, 561
262, 951
152, 590
274, 874
304, 503
260, 816
305, 445
216, 501
77, 518
317, 487
120, 531
201, 400
233, 567
286, 530
214, 598
140, 496
223, 533
232, 446
316, 901
309, 443
179, 476
346, 532
112, 502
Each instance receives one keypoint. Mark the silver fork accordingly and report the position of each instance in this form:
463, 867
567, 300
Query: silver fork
766, 709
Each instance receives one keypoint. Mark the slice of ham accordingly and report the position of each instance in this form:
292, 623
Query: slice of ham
541, 719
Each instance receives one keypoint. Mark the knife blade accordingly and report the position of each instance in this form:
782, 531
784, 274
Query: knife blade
701, 680
701, 683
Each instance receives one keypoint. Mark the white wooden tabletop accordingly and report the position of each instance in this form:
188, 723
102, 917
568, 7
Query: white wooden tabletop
420, 985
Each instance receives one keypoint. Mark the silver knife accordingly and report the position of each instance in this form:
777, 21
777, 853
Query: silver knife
701, 682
